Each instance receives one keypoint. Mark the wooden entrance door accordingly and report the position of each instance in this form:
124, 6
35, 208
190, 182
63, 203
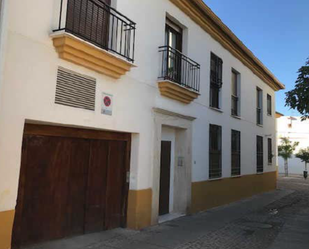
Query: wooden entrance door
72, 182
165, 175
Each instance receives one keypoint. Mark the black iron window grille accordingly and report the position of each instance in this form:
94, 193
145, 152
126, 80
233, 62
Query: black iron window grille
259, 155
269, 105
99, 24
270, 151
215, 151
179, 69
259, 110
236, 168
235, 94
215, 80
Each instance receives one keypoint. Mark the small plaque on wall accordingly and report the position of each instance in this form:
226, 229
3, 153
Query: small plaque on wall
107, 104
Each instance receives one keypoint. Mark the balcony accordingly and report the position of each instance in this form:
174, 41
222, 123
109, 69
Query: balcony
94, 35
179, 76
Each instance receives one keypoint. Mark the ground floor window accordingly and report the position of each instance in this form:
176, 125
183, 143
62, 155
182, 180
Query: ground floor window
259, 154
235, 153
215, 151
270, 151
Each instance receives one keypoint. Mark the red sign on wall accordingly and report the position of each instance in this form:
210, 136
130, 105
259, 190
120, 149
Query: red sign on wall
107, 104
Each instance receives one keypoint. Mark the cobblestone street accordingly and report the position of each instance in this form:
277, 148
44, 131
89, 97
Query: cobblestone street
279, 219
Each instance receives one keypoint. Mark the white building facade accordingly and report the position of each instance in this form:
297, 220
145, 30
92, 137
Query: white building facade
129, 110
296, 130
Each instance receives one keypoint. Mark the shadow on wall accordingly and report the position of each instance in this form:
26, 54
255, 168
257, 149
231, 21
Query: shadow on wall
296, 166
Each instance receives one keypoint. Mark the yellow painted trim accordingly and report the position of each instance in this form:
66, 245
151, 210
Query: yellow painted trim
82, 53
139, 209
174, 91
200, 13
6, 227
209, 194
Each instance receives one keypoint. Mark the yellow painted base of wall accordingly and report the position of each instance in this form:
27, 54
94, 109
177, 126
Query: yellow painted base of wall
139, 209
6, 226
209, 194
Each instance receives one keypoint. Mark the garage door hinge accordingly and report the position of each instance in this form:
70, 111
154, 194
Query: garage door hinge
128, 177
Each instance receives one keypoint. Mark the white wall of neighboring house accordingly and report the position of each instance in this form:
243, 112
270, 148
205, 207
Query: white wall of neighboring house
29, 81
297, 131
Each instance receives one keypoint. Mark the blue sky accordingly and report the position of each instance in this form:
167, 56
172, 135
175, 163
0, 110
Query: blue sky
276, 31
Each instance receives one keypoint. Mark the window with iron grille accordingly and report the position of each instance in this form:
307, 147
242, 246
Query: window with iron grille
215, 151
236, 153
259, 155
259, 106
269, 105
235, 94
215, 80
270, 151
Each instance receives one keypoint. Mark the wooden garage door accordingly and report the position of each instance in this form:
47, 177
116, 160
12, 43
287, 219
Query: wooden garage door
72, 182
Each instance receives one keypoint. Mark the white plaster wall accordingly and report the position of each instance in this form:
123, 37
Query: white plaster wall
297, 132
29, 78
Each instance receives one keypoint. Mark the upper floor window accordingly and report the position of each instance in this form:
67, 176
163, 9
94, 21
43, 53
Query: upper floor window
235, 153
269, 105
215, 80
259, 155
173, 42
259, 106
215, 151
177, 68
235, 94
173, 35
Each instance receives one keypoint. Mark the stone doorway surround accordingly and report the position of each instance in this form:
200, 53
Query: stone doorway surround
182, 160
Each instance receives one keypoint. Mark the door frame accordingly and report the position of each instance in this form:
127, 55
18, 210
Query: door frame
183, 148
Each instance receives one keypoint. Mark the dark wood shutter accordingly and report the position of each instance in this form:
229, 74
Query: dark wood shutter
90, 20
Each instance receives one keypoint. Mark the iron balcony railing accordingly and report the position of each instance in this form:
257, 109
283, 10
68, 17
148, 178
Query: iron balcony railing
96, 22
179, 69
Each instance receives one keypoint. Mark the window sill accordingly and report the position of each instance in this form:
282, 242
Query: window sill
215, 179
260, 173
215, 109
237, 117
260, 125
236, 176
270, 164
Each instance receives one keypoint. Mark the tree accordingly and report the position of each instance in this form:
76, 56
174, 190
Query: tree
285, 150
298, 97
303, 155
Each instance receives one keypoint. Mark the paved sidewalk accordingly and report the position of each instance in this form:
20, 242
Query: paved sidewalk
295, 232
251, 223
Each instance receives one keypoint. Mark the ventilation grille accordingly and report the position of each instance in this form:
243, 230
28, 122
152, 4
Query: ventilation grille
75, 90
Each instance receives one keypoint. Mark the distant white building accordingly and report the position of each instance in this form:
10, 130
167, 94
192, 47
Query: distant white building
297, 131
